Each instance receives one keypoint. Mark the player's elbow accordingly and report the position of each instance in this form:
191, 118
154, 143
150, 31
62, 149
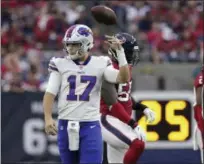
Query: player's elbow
48, 98
124, 74
122, 79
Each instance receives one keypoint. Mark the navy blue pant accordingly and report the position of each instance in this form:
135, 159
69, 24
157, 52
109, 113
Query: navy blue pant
90, 146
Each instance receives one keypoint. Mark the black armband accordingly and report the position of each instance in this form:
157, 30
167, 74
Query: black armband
139, 106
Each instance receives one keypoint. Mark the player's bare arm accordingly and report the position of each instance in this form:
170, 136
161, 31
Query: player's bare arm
123, 75
109, 93
48, 101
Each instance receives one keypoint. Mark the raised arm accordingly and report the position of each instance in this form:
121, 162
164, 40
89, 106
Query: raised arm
112, 75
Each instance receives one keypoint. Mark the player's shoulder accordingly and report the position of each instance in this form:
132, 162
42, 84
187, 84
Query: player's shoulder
57, 59
102, 60
55, 62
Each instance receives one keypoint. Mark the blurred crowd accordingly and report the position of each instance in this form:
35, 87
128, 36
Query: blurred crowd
32, 31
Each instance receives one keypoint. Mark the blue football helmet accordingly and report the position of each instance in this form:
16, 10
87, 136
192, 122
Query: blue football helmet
130, 46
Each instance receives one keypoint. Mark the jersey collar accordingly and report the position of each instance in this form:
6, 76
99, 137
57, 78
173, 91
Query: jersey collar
84, 63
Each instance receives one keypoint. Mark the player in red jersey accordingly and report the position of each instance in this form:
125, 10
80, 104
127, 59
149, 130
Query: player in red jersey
125, 139
198, 114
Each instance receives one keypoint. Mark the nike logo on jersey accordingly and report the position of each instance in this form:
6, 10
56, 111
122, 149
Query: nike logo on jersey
92, 126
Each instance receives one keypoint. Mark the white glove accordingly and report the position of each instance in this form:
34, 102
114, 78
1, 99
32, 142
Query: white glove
140, 133
150, 115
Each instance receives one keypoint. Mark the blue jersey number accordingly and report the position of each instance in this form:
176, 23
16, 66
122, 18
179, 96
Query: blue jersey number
91, 80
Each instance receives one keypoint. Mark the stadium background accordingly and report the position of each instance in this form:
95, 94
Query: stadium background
170, 35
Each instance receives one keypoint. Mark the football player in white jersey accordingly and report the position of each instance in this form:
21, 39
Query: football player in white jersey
77, 79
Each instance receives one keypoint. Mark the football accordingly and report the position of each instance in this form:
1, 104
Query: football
103, 14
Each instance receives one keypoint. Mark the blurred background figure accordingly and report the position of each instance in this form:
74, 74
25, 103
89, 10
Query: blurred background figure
167, 32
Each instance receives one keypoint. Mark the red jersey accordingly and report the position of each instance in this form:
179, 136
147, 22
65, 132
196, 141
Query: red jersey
124, 97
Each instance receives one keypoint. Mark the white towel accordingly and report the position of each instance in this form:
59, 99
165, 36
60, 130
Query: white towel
73, 135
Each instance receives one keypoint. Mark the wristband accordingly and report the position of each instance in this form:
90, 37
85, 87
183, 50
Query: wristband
121, 57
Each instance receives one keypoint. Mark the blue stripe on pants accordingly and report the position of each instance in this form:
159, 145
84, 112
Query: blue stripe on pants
115, 131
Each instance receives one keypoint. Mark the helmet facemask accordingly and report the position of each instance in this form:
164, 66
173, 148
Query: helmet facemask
75, 51
135, 56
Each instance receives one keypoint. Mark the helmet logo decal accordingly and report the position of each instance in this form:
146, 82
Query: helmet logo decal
69, 31
84, 31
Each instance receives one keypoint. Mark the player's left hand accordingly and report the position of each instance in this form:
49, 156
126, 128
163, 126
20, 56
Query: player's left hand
150, 115
114, 42
50, 127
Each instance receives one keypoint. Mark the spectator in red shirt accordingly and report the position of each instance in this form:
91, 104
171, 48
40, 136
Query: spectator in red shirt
44, 23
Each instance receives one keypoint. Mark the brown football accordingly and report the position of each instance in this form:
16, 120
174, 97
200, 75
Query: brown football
103, 14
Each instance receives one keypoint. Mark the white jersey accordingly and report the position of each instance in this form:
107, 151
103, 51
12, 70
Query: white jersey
79, 93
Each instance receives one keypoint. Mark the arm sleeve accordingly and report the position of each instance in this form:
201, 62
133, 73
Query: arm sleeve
53, 85
109, 93
111, 74
138, 106
52, 66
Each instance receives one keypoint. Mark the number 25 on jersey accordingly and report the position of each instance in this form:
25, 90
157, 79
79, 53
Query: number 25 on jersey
90, 80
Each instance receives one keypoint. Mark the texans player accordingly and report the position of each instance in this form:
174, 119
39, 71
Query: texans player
125, 139
198, 114
77, 77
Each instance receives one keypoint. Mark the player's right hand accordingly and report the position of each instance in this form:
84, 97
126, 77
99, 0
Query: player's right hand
140, 133
114, 43
50, 127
